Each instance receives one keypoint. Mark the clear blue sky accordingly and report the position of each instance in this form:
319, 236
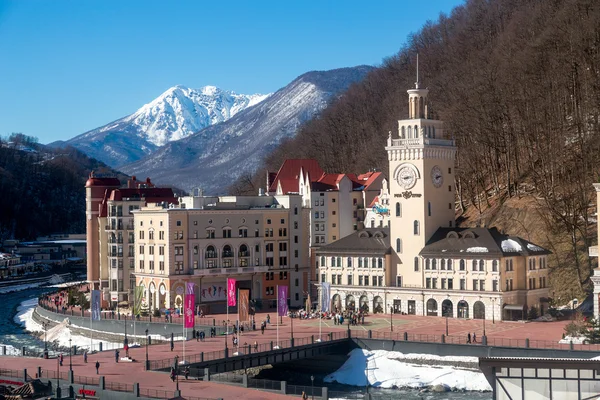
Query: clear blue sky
70, 66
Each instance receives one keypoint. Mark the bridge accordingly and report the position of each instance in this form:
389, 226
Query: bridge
342, 342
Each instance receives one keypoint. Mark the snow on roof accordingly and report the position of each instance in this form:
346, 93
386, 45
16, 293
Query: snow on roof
533, 247
510, 246
477, 250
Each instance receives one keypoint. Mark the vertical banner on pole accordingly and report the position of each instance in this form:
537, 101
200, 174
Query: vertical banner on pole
325, 296
95, 305
189, 310
282, 306
244, 305
231, 300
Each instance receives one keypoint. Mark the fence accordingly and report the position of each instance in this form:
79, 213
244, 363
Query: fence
264, 384
228, 377
296, 390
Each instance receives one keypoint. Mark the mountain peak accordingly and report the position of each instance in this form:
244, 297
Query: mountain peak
210, 90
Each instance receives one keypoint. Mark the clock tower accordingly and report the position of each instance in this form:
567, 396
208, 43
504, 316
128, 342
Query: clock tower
422, 187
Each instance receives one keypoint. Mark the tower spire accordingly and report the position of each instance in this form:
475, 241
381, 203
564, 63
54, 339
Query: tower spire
417, 82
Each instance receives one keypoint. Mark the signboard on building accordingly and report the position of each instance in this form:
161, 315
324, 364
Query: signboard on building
215, 291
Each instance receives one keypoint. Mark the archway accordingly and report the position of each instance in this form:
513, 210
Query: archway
432, 308
463, 309
152, 297
363, 303
162, 296
336, 303
350, 303
447, 309
478, 310
377, 304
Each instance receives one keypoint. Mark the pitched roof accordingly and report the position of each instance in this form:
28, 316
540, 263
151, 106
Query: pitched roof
327, 182
368, 240
475, 242
364, 181
288, 174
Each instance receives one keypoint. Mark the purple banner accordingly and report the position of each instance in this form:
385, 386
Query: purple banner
282, 306
190, 288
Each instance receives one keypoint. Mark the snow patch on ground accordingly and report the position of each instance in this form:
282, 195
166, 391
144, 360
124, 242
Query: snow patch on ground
574, 339
390, 369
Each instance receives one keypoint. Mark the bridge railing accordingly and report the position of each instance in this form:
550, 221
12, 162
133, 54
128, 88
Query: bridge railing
463, 339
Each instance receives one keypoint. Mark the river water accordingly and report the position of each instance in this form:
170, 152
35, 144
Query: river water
13, 334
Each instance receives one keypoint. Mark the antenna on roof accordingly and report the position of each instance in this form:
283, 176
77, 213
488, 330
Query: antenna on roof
417, 82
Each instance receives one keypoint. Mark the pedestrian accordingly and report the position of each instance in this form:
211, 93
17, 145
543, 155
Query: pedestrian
474, 338
469, 337
202, 335
173, 374
268, 319
85, 356
197, 336
304, 396
172, 345
97, 366
116, 356
60, 361
186, 372
262, 329
255, 345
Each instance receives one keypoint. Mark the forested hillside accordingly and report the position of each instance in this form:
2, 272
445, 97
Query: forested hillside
518, 84
42, 189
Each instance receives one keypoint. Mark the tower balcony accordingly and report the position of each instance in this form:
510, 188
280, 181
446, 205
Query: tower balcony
420, 141
593, 251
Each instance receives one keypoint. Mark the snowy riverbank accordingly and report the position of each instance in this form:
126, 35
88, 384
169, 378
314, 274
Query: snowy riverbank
389, 369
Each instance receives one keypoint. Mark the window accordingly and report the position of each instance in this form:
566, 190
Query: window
429, 208
317, 227
399, 281
269, 221
296, 282
360, 262
269, 232
427, 264
282, 221
333, 225
333, 200
434, 263
416, 264
333, 262
317, 202
367, 280
416, 227
443, 264
495, 266
210, 233
333, 213
269, 261
339, 261
161, 235
360, 280
450, 284
178, 223
462, 265
269, 247
434, 283
450, 266
142, 235
481, 265
380, 263
295, 224
296, 239
243, 232
449, 170
495, 285
463, 284
142, 249
151, 265
151, 250
349, 277
398, 245
449, 206
142, 264
282, 232
161, 265
150, 235
226, 232
282, 246
474, 265
475, 284
296, 253
449, 188
428, 283
398, 210
256, 233
482, 285
322, 214
296, 213
349, 261
178, 250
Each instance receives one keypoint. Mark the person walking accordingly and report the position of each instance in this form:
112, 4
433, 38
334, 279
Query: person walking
97, 366
186, 372
304, 396
469, 337
116, 356
474, 338
173, 374
85, 356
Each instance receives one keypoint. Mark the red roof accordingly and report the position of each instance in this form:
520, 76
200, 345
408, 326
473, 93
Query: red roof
365, 180
327, 182
289, 174
147, 194
92, 181
375, 200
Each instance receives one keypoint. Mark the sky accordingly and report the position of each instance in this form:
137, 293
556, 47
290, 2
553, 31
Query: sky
67, 67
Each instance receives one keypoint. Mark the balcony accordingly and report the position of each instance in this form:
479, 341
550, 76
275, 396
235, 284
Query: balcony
227, 254
244, 254
420, 141
210, 254
116, 240
130, 227
230, 270
593, 250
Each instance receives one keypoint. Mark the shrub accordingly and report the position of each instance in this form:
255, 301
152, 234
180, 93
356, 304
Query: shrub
532, 313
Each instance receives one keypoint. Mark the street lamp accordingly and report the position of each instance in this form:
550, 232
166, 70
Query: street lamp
446, 323
147, 340
70, 357
391, 320
312, 386
45, 325
493, 310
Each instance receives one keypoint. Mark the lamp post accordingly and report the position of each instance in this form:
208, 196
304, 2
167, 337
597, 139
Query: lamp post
312, 386
493, 310
147, 340
446, 323
70, 357
391, 320
45, 325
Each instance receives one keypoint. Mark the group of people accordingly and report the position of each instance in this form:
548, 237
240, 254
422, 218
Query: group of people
186, 373
469, 337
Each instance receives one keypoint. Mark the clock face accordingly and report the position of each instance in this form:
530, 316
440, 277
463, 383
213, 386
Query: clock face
436, 176
407, 177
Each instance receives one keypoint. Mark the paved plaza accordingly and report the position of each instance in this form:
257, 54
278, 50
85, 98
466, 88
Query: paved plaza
129, 373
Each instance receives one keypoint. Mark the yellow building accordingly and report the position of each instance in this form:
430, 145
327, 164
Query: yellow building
432, 268
261, 241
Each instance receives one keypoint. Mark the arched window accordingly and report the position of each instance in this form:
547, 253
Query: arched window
349, 262
427, 263
380, 262
366, 262
333, 261
360, 262
421, 108
227, 252
322, 261
433, 136
434, 263
416, 132
416, 227
374, 263
429, 131
450, 264
416, 264
398, 210
495, 266
409, 129
399, 245
339, 261
244, 251
462, 265
443, 263
403, 133
482, 265
211, 252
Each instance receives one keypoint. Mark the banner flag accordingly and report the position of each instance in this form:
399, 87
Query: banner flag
282, 296
95, 305
231, 292
138, 295
325, 296
244, 304
190, 288
190, 300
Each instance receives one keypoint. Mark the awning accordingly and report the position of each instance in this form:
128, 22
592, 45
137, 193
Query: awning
514, 307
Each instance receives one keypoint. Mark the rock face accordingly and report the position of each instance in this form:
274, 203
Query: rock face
440, 388
217, 155
177, 113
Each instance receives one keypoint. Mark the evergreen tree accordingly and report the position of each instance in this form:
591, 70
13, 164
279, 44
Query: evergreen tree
592, 333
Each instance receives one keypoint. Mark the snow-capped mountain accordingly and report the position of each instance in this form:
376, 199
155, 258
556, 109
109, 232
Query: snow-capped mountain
217, 155
174, 115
